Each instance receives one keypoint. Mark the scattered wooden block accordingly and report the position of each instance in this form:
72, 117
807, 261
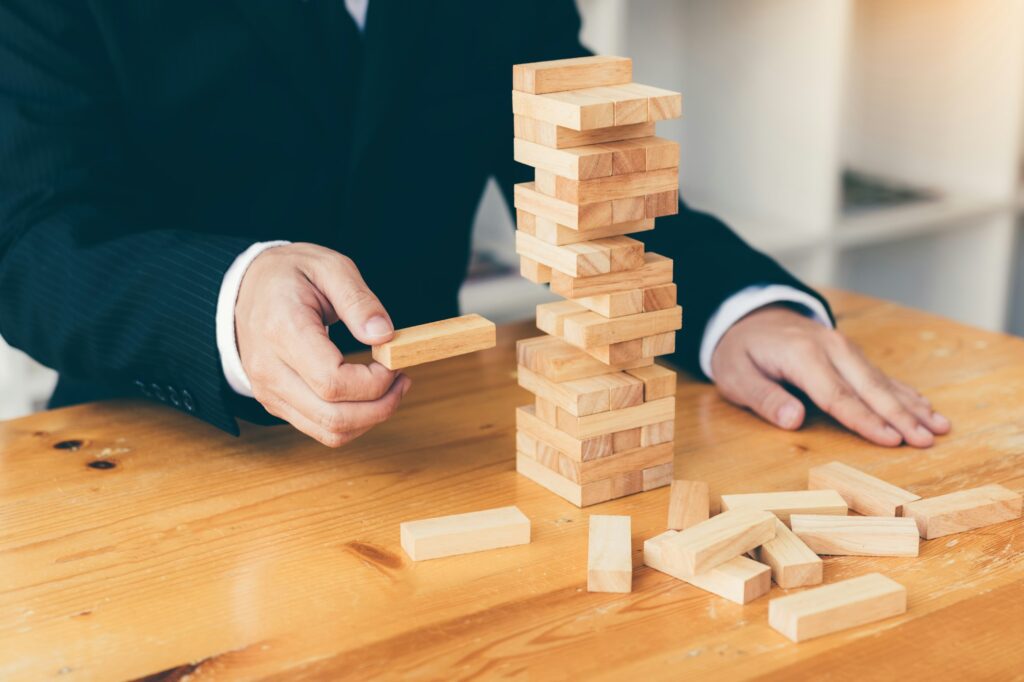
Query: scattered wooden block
573, 216
857, 535
740, 579
839, 606
534, 271
688, 504
616, 420
583, 449
436, 341
702, 547
609, 554
793, 563
464, 533
579, 495
661, 432
571, 74
659, 297
783, 504
607, 188
658, 476
560, 137
864, 493
610, 254
656, 270
963, 510
659, 382
556, 360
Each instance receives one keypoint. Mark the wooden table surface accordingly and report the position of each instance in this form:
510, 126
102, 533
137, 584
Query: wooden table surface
204, 556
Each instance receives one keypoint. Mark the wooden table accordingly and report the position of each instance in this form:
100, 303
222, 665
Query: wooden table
270, 556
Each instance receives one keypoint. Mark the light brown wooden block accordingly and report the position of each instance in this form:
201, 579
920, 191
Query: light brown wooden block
616, 420
659, 344
584, 449
659, 382
546, 183
628, 209
578, 163
551, 317
740, 579
580, 495
656, 270
436, 341
574, 216
654, 434
526, 443
556, 360
857, 535
688, 504
963, 510
577, 397
659, 297
560, 137
839, 606
590, 329
551, 232
464, 533
644, 154
591, 471
545, 410
661, 104
534, 271
575, 109
626, 440
707, 544
864, 493
658, 476
611, 254
628, 107
623, 390
618, 353
793, 563
609, 554
575, 73
659, 153
783, 504
661, 204
610, 188
618, 304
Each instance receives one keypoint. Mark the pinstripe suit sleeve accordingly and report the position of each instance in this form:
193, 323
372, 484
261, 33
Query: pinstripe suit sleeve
94, 283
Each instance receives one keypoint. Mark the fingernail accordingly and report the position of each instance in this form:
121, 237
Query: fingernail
406, 386
923, 432
940, 420
788, 415
377, 326
892, 433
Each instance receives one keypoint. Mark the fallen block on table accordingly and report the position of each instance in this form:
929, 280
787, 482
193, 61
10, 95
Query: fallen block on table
740, 579
436, 341
609, 554
784, 504
857, 535
464, 533
688, 504
793, 563
839, 606
864, 493
964, 510
701, 547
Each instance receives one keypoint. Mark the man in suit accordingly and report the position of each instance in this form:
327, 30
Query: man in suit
190, 191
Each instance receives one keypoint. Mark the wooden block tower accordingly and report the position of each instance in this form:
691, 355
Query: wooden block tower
601, 426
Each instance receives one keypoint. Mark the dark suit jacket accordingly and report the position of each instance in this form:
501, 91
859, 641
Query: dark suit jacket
145, 144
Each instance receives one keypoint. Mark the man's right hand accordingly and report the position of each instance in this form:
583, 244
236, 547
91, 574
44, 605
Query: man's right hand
288, 296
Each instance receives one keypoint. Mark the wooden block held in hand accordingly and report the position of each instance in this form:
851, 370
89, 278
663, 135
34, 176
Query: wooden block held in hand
575, 73
688, 504
609, 554
702, 547
793, 563
783, 504
864, 493
963, 510
557, 361
740, 579
857, 535
560, 137
436, 341
838, 606
463, 533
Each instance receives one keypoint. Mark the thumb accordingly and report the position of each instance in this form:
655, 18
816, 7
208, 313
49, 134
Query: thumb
353, 302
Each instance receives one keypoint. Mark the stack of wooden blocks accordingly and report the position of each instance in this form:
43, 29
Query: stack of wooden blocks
602, 423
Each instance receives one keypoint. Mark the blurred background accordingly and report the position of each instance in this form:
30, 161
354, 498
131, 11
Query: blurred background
872, 145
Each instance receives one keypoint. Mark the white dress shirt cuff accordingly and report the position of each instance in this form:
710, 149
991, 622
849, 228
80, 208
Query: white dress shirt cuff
227, 344
746, 301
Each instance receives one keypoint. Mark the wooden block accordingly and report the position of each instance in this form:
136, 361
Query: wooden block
573, 216
783, 504
583, 449
659, 382
551, 317
661, 432
623, 390
659, 153
660, 204
546, 183
658, 476
659, 297
464, 533
661, 104
659, 344
616, 420
575, 109
618, 304
589, 329
612, 187
578, 163
436, 341
534, 271
526, 443
688, 504
857, 535
628, 107
560, 235
739, 579
793, 563
864, 493
575, 73
626, 440
610, 254
707, 544
556, 360
839, 606
963, 510
577, 397
594, 470
545, 410
609, 554
618, 353
643, 154
656, 270
627, 209
560, 137
580, 495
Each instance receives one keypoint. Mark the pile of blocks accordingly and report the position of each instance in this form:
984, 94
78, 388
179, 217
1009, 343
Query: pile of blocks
601, 425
